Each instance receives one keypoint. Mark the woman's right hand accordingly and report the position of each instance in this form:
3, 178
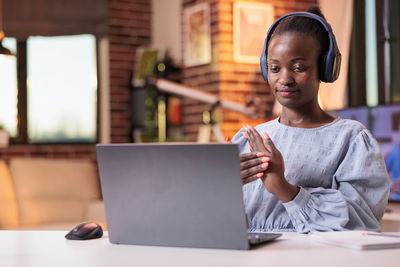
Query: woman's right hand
252, 166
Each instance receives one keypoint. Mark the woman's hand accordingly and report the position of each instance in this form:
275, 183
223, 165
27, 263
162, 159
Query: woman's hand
273, 179
252, 166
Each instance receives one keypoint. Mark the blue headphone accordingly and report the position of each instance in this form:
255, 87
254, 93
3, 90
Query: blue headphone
329, 65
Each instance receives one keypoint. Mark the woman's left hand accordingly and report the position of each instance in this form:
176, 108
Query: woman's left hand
274, 178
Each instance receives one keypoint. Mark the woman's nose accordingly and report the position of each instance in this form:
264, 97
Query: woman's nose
285, 77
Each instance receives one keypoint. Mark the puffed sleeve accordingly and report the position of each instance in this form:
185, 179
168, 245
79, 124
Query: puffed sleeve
358, 196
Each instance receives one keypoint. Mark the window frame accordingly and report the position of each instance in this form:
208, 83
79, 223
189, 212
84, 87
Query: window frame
22, 99
357, 95
384, 17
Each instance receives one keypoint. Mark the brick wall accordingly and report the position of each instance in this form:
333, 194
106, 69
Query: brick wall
129, 28
230, 80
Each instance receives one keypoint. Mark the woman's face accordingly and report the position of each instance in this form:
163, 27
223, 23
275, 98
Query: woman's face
293, 69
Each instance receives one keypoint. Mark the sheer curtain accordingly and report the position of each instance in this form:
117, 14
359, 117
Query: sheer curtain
339, 14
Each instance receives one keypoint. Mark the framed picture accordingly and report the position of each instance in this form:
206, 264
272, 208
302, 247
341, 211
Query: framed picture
146, 59
250, 26
197, 36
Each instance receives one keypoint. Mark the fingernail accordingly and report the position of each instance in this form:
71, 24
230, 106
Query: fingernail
265, 159
264, 165
266, 136
260, 154
245, 135
259, 175
228, 139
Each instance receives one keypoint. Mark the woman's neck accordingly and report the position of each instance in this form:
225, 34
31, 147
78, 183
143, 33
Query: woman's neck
305, 118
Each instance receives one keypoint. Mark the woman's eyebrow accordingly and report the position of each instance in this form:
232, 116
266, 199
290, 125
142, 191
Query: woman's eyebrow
298, 59
292, 60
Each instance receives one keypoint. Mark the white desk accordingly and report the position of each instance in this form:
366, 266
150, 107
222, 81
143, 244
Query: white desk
49, 248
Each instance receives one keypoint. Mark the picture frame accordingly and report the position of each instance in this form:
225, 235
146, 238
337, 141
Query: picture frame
251, 22
146, 59
197, 35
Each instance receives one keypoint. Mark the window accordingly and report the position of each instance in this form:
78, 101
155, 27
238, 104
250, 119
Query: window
8, 88
392, 44
58, 95
61, 89
375, 45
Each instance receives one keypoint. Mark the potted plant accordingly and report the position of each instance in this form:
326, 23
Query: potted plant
4, 136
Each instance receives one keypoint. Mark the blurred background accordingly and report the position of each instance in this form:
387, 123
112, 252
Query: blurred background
76, 73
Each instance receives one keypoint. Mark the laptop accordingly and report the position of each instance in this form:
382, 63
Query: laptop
175, 194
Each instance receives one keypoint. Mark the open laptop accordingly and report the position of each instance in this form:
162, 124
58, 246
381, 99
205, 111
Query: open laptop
175, 194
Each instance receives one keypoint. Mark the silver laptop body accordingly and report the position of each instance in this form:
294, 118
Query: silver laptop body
173, 194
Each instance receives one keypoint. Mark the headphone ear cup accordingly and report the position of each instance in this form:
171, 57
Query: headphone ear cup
323, 68
336, 66
263, 62
330, 66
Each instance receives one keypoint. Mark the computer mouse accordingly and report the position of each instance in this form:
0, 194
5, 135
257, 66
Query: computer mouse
85, 231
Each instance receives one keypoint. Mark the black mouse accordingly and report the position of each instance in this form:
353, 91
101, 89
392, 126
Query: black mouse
85, 231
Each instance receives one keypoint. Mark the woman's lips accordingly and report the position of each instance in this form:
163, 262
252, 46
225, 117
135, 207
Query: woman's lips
287, 93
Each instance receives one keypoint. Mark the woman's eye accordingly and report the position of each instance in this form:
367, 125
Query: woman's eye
299, 68
273, 68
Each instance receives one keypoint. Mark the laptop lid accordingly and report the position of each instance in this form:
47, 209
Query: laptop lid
173, 194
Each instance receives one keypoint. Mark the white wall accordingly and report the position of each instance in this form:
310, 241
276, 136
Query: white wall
339, 14
166, 27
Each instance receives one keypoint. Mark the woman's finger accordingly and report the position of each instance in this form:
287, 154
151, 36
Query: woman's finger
250, 155
268, 142
252, 178
248, 172
256, 140
253, 162
253, 134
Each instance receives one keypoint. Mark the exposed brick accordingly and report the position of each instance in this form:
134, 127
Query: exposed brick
130, 27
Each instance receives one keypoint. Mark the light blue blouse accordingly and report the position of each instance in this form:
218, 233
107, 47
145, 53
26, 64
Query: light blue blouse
341, 174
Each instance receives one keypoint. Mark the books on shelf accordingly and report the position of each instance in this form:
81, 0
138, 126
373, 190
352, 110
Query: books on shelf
358, 239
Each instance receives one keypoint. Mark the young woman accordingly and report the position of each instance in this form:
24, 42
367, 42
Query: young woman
307, 170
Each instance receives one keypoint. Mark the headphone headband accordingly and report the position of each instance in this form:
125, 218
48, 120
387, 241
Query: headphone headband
329, 66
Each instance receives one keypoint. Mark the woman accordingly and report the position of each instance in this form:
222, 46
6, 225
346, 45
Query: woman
307, 170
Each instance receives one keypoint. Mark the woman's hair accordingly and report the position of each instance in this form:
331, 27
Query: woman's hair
305, 25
